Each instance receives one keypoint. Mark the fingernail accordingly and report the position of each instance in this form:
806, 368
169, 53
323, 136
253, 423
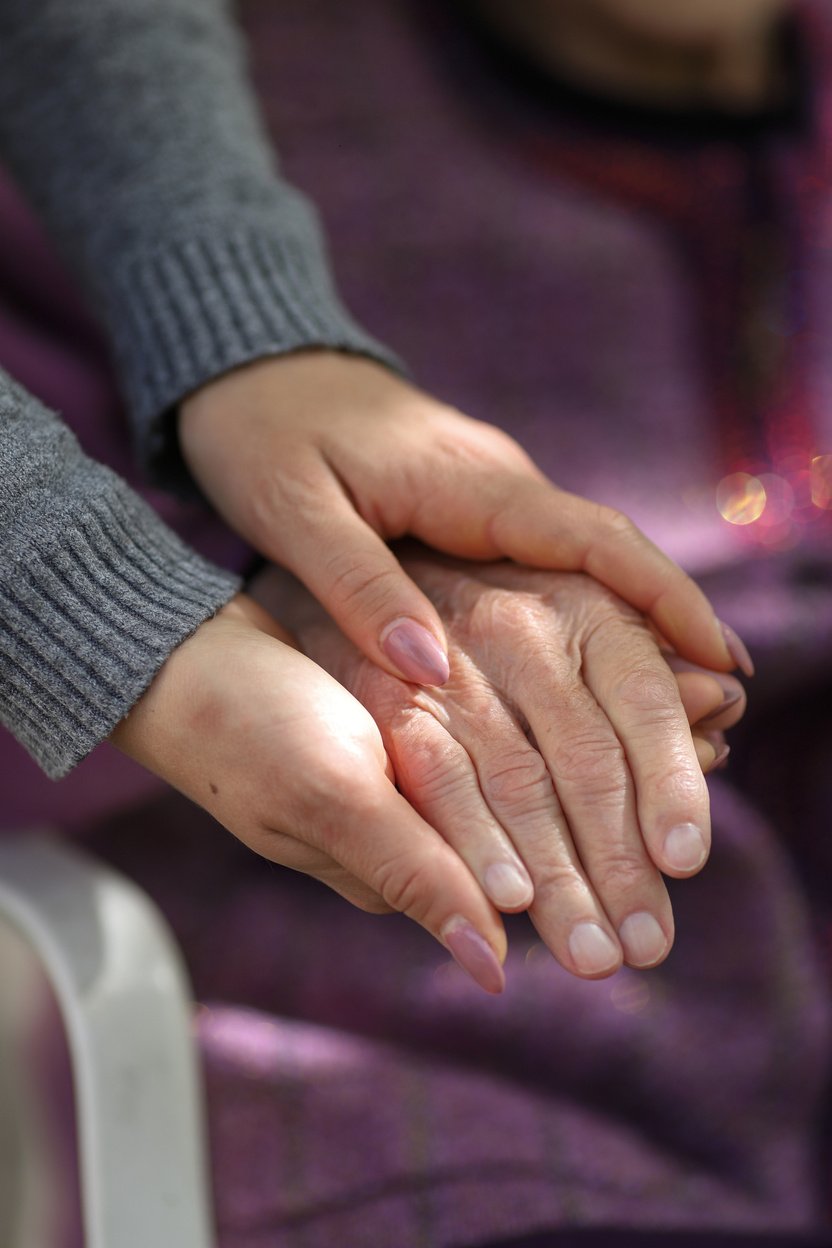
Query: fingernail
720, 748
415, 652
737, 649
721, 757
684, 847
705, 752
473, 954
643, 939
591, 948
731, 700
507, 885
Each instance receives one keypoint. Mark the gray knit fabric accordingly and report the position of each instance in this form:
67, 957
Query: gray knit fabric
95, 591
130, 126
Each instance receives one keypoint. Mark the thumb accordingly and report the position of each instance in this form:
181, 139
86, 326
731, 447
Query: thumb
386, 844
362, 585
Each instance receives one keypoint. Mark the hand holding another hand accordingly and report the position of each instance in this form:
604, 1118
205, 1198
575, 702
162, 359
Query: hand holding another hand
293, 765
557, 760
319, 458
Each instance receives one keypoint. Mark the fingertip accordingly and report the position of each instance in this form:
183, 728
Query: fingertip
473, 954
737, 650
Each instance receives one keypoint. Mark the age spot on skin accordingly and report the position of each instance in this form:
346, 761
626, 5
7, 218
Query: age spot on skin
214, 789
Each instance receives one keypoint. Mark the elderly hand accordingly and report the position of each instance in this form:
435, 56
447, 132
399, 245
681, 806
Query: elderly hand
316, 458
288, 761
557, 760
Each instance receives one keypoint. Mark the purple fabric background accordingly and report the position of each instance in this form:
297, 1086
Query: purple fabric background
361, 1092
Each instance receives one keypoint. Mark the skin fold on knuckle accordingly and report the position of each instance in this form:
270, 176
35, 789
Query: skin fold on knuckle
619, 872
407, 884
273, 493
556, 884
517, 618
652, 693
520, 779
593, 766
618, 526
351, 583
434, 774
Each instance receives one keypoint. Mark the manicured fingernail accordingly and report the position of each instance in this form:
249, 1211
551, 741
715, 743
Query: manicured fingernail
415, 652
731, 700
643, 939
737, 649
721, 757
684, 847
591, 948
705, 752
473, 954
507, 885
716, 741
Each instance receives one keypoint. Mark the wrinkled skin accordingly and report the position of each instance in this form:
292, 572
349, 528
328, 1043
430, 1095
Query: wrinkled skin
560, 746
286, 759
318, 458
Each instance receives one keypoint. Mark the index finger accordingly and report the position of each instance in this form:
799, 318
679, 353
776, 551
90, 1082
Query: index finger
524, 517
547, 527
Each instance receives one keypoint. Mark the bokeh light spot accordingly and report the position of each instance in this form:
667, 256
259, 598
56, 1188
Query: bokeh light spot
822, 481
740, 498
630, 995
780, 499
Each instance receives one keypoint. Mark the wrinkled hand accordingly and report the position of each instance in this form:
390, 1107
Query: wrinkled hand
288, 761
317, 458
557, 760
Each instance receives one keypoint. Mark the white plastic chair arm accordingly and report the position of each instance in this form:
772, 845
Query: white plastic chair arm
122, 989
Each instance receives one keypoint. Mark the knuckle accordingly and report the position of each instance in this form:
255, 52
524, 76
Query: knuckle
645, 687
521, 779
352, 582
336, 801
436, 772
293, 488
500, 613
621, 869
554, 879
683, 788
593, 765
405, 884
619, 524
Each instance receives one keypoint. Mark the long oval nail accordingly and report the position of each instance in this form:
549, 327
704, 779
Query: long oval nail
731, 700
737, 649
706, 753
721, 757
416, 652
508, 886
473, 954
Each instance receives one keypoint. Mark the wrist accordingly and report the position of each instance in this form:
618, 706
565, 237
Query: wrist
179, 691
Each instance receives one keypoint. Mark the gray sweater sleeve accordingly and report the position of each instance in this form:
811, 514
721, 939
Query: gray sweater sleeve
131, 126
95, 591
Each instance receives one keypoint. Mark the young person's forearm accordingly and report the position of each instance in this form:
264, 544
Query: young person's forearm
95, 591
133, 129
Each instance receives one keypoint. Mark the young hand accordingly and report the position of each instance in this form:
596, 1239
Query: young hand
316, 458
293, 765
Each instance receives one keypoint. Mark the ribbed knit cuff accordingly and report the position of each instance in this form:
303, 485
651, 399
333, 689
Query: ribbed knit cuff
194, 309
91, 607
